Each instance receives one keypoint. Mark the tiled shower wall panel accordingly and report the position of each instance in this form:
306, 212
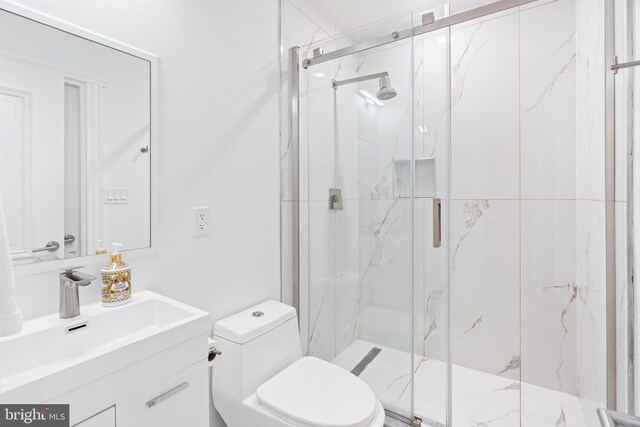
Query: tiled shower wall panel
513, 208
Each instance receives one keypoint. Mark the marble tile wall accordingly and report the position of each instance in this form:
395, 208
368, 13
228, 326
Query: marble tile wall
548, 192
549, 294
485, 208
513, 213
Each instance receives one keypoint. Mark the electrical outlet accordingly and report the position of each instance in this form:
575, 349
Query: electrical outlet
200, 222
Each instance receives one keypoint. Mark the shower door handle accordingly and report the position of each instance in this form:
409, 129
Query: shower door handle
437, 223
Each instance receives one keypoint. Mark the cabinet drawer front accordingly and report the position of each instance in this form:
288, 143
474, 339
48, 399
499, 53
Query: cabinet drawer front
106, 418
182, 399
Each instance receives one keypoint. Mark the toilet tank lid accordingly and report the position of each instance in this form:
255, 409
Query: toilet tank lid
251, 323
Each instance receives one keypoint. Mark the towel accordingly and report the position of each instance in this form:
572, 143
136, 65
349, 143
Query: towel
10, 315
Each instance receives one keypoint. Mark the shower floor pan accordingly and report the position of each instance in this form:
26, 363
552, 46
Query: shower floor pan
479, 398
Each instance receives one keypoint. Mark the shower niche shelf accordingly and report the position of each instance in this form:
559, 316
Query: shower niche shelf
425, 173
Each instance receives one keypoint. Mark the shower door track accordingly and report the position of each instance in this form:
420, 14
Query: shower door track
429, 26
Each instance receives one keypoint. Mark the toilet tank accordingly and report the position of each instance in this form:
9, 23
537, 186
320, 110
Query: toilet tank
256, 344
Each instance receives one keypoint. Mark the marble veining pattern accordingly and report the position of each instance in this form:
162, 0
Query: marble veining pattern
473, 211
472, 327
485, 109
431, 314
572, 291
548, 102
485, 261
461, 68
514, 363
567, 45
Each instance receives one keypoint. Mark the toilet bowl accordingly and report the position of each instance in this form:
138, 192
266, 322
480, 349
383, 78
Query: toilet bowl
261, 379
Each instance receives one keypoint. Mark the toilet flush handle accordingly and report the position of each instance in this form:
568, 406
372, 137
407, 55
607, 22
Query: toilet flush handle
213, 351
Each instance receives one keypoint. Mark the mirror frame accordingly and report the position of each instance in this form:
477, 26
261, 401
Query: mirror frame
131, 254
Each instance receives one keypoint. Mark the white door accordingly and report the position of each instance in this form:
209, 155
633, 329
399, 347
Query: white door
32, 156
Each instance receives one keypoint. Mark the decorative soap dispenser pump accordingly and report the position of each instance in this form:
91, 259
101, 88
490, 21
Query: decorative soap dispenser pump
116, 279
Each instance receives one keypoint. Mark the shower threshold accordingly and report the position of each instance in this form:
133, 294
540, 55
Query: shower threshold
479, 398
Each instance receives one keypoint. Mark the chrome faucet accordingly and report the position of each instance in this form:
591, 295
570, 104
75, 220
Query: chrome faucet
70, 279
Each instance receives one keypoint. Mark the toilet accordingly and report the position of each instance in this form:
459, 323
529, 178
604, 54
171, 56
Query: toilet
261, 378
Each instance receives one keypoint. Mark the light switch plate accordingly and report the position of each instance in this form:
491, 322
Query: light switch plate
115, 196
200, 222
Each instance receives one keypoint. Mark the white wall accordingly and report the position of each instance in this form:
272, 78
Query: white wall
219, 147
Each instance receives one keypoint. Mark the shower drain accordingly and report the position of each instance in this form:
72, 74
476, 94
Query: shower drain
373, 353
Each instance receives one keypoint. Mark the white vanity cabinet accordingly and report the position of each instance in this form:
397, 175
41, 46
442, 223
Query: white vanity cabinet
182, 399
168, 389
137, 365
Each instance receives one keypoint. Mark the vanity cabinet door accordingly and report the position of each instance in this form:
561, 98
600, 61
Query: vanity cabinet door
180, 400
106, 418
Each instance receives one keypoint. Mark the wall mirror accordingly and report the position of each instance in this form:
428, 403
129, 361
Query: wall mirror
75, 142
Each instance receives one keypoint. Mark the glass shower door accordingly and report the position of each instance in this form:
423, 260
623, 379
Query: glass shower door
356, 139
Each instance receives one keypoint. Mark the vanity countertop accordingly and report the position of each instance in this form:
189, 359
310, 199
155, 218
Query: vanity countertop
52, 356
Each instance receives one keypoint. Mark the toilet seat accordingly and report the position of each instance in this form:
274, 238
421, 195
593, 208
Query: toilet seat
312, 392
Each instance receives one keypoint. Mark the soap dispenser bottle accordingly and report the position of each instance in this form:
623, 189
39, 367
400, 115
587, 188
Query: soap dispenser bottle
116, 280
100, 249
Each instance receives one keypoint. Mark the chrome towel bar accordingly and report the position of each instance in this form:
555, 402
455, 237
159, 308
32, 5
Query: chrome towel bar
53, 246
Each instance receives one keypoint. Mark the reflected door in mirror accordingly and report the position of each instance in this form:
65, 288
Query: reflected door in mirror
32, 161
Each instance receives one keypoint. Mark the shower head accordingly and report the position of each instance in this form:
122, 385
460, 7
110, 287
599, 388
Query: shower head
386, 91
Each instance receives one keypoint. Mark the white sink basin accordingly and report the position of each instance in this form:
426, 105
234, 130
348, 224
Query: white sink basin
71, 352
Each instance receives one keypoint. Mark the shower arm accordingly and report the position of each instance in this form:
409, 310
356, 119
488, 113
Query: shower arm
336, 83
